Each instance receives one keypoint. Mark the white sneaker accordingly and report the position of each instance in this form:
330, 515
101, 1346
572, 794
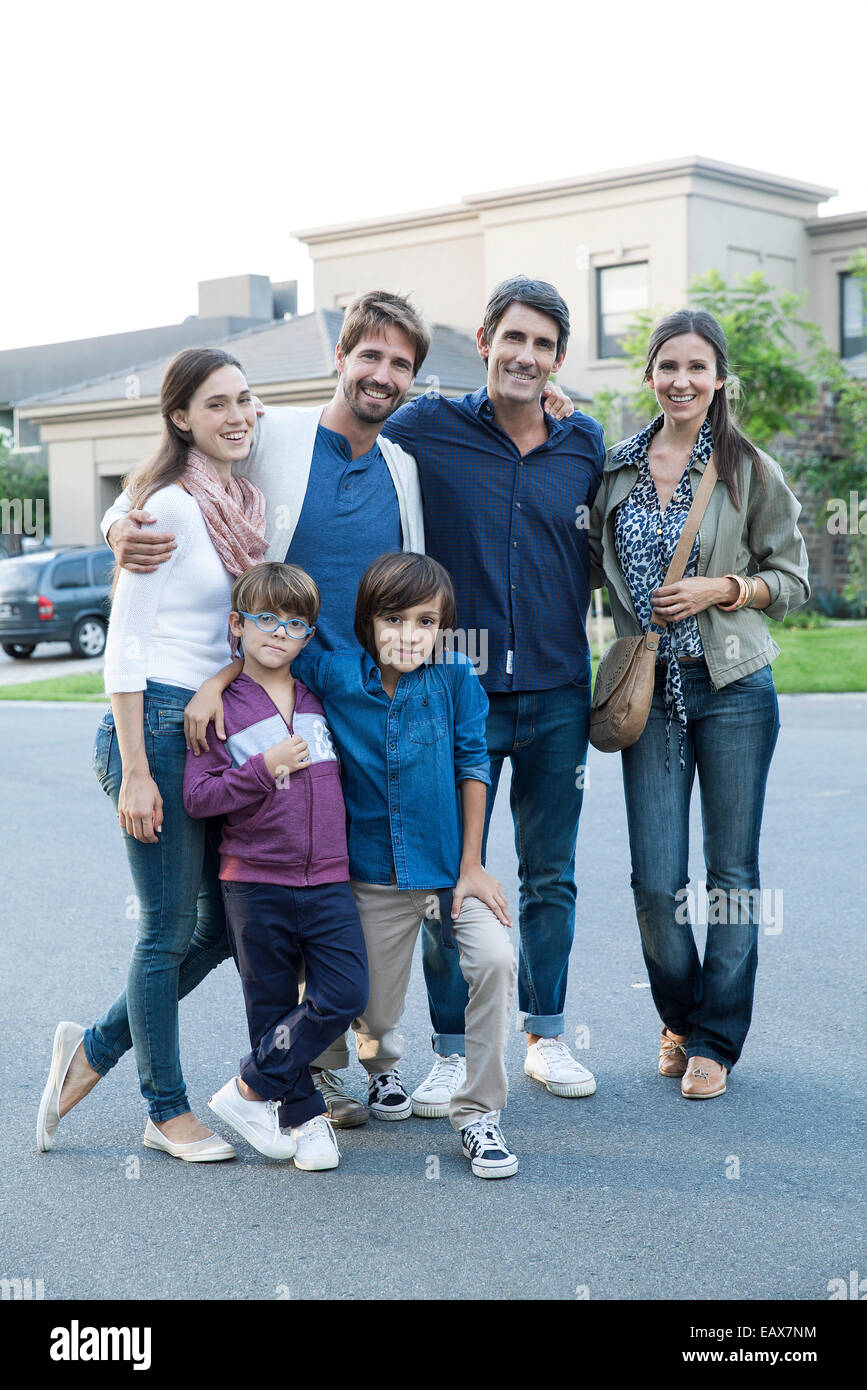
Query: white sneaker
445, 1077
484, 1145
257, 1121
550, 1061
316, 1146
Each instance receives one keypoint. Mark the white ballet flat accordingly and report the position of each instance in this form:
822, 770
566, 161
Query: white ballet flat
67, 1036
210, 1150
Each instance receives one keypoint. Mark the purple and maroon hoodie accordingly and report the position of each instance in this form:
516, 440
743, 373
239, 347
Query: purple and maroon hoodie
289, 830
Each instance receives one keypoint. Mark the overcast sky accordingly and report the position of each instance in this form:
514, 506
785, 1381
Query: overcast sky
149, 147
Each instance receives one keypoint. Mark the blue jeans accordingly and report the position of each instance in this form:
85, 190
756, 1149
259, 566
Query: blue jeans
730, 738
181, 922
544, 732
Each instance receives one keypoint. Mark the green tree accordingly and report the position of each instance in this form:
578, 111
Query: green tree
21, 481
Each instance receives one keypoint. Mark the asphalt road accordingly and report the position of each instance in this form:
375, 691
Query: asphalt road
49, 659
633, 1193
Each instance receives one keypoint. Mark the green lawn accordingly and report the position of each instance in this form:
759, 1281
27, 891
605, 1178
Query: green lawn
811, 660
823, 659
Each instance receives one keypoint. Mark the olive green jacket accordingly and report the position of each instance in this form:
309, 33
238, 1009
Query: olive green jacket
762, 538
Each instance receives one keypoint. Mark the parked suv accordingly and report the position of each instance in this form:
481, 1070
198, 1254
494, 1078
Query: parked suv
57, 595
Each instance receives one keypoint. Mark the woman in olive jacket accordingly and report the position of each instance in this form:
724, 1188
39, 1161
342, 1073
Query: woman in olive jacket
714, 708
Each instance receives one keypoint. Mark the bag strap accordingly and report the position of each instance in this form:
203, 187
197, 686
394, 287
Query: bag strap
690, 526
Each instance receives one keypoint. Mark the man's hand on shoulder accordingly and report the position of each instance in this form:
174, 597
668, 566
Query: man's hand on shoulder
137, 550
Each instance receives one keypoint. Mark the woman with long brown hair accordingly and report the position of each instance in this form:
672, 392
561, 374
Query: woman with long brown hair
713, 684
168, 632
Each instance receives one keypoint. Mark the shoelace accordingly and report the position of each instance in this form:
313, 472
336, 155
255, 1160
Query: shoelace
310, 1128
486, 1135
446, 1071
328, 1081
700, 1071
669, 1045
556, 1053
388, 1084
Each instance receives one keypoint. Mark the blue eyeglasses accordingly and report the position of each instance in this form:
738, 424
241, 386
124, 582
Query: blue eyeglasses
269, 622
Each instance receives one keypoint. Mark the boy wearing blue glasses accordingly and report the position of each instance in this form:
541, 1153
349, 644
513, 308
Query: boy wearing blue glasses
284, 870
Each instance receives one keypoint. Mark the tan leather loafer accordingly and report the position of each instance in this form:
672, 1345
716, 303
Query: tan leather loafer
703, 1079
672, 1054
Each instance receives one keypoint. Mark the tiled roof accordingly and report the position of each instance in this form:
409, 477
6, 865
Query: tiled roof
292, 350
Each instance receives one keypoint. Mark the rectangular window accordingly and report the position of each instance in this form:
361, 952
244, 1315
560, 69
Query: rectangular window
621, 290
853, 316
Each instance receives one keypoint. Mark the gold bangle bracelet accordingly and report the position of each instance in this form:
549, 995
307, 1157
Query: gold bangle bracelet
742, 594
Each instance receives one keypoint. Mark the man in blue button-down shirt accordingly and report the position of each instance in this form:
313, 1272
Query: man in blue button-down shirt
507, 492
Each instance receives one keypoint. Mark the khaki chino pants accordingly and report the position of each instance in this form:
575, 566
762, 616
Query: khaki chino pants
391, 918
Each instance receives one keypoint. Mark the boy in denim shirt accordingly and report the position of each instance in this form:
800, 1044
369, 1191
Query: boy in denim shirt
411, 732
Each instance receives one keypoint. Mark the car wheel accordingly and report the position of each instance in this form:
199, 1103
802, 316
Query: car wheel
88, 637
18, 650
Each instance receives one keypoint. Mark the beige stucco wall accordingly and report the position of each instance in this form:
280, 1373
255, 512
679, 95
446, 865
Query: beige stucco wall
440, 267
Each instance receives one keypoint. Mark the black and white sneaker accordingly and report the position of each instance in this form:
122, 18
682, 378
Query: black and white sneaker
484, 1144
386, 1098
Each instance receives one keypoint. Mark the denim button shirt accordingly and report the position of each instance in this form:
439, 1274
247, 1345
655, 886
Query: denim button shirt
403, 760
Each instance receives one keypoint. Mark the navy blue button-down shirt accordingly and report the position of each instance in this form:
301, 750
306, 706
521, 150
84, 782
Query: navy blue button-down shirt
403, 760
511, 531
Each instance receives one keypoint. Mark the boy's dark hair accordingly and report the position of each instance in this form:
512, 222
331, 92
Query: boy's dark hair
277, 588
536, 294
399, 580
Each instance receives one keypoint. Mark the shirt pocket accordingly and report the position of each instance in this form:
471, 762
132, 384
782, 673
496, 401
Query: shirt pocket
426, 718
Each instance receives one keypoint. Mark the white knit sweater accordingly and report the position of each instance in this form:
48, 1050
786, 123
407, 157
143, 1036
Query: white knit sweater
172, 625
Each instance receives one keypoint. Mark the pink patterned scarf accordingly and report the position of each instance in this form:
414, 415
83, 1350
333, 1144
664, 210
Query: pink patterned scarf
234, 515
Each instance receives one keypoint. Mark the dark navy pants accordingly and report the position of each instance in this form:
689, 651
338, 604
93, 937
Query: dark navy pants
271, 928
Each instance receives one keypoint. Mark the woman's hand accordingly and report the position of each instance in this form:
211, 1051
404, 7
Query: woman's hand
476, 882
140, 806
674, 602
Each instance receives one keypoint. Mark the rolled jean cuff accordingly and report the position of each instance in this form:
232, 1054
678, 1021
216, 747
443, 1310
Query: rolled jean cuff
103, 1062
160, 1113
447, 1044
298, 1112
545, 1025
